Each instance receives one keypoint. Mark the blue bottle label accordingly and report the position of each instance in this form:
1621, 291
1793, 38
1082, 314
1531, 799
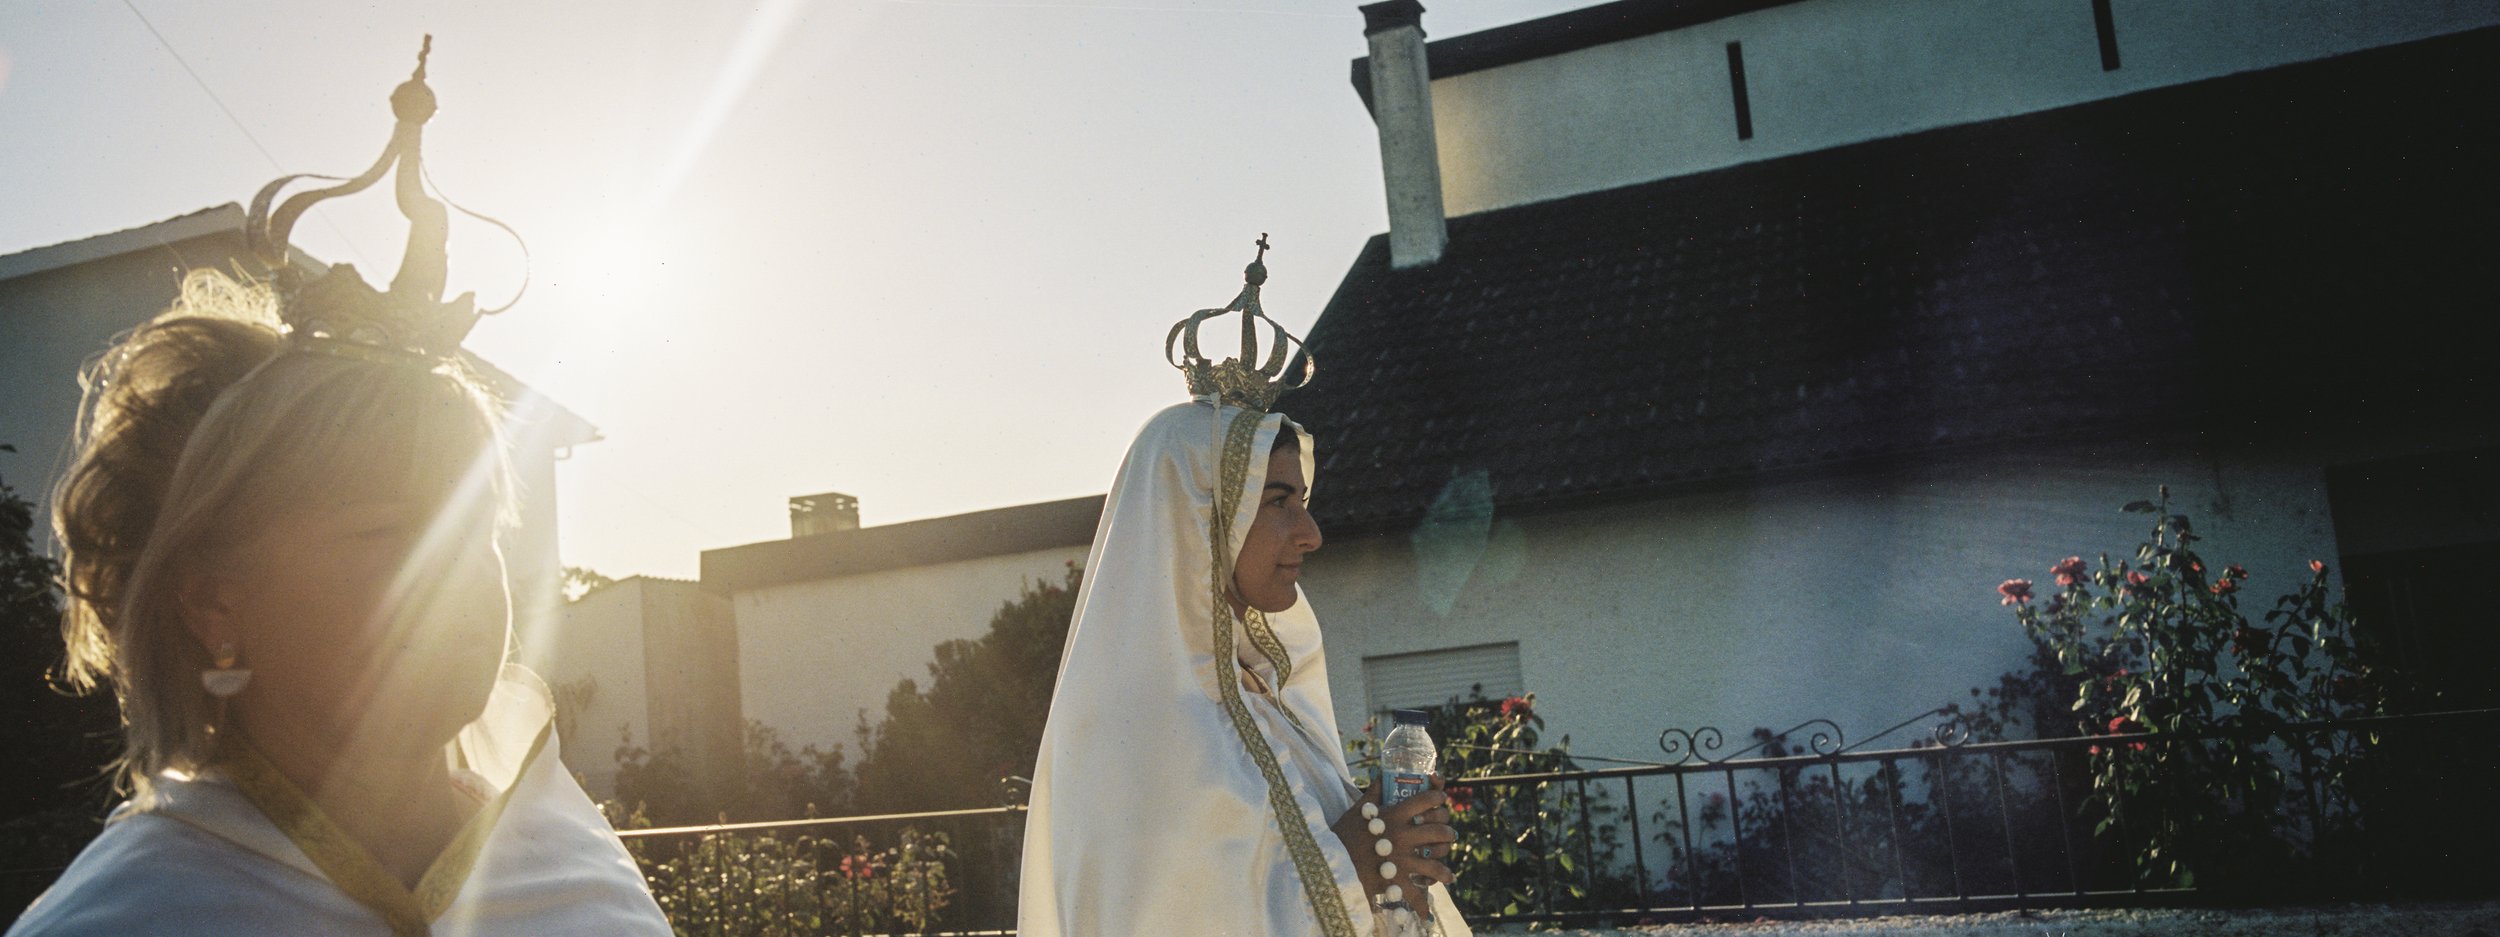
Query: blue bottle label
1403, 785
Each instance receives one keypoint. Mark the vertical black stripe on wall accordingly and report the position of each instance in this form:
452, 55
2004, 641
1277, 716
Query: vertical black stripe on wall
2107, 26
1736, 84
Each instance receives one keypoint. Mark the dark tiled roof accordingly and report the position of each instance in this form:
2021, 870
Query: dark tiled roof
2301, 240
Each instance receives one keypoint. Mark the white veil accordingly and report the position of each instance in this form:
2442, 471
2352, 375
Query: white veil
1168, 798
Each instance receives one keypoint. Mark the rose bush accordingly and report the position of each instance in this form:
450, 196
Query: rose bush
1521, 847
2163, 655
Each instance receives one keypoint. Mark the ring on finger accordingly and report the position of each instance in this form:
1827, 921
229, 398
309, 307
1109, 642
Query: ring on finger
1423, 852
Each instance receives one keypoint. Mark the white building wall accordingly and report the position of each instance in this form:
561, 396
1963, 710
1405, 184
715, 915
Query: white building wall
596, 653
1863, 600
813, 656
1825, 73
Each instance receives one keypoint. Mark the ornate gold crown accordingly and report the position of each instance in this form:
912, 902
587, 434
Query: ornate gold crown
1235, 381
337, 311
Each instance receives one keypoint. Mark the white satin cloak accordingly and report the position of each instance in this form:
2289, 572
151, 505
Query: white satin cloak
199, 858
1152, 812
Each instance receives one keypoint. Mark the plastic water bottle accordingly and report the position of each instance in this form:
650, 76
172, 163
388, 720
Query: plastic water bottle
1407, 760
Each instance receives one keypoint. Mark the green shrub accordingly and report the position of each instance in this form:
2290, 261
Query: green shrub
2159, 644
1522, 848
769, 886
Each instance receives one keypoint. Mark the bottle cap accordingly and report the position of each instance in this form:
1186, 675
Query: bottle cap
1411, 717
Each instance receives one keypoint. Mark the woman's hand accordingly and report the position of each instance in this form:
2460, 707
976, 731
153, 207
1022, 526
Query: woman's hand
1419, 834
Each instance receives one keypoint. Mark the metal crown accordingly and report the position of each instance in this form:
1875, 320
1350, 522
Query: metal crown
1235, 381
336, 310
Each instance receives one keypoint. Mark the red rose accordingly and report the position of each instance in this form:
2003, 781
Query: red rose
2224, 587
2137, 585
2235, 571
2120, 725
2317, 566
2069, 572
1515, 707
2016, 591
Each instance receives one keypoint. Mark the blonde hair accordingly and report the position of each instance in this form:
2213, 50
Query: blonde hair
195, 429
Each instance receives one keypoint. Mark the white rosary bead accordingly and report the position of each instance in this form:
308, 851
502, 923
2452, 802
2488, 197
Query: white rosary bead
1393, 894
1388, 870
1381, 847
1371, 811
1379, 826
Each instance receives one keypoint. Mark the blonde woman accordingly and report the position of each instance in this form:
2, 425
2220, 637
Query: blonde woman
281, 555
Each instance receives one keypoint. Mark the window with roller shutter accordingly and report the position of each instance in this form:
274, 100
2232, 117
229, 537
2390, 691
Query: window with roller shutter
1431, 678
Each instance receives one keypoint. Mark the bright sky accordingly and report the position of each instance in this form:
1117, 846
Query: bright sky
920, 252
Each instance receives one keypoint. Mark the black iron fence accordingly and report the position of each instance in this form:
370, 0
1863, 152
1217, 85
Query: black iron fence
1804, 823
941, 872
1798, 823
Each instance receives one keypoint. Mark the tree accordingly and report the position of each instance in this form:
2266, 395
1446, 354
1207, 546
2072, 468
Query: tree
980, 719
53, 796
580, 581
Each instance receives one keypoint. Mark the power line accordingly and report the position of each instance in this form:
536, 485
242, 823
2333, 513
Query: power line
213, 98
204, 88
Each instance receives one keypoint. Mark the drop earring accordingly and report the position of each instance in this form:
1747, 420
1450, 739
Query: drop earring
224, 681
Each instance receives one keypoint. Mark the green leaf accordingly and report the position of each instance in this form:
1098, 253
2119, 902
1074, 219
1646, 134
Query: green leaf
2139, 507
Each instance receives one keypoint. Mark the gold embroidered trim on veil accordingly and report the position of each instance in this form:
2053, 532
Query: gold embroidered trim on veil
1264, 638
349, 865
1319, 885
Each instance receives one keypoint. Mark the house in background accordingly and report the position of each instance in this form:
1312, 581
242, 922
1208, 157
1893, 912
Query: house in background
62, 305
831, 619
1721, 358
649, 663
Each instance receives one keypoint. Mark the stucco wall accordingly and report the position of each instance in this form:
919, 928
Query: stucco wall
597, 649
1862, 599
690, 673
1824, 73
814, 655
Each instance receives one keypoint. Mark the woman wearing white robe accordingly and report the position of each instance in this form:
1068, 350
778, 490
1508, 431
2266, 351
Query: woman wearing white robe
203, 858
1191, 779
281, 554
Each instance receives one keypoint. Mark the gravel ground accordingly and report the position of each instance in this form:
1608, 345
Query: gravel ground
2443, 920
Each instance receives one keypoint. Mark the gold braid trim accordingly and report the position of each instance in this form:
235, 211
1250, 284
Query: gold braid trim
345, 861
1264, 638
1319, 885
1254, 622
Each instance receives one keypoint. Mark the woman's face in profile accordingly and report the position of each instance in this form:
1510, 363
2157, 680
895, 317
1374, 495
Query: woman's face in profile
386, 615
1270, 562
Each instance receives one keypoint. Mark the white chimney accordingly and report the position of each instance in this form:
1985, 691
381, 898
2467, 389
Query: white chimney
828, 513
1410, 162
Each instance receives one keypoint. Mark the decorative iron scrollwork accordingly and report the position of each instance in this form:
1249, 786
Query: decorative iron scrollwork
1689, 746
1686, 746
